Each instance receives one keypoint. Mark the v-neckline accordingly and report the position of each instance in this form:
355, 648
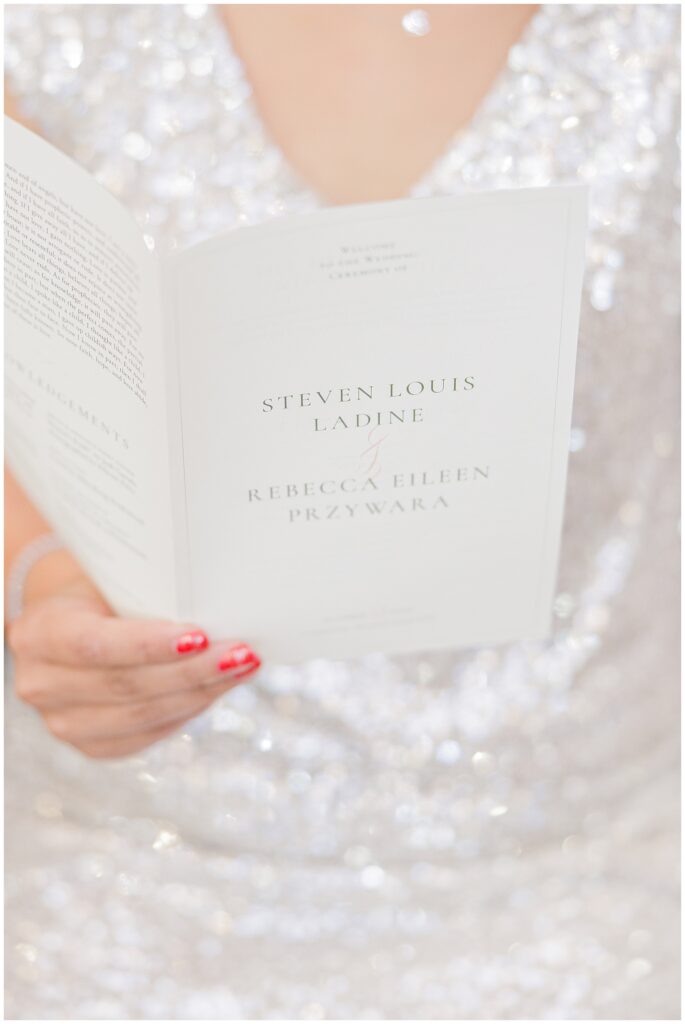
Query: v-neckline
424, 183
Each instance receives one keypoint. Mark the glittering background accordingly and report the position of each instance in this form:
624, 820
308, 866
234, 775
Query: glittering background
485, 834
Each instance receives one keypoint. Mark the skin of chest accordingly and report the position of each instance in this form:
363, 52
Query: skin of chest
359, 107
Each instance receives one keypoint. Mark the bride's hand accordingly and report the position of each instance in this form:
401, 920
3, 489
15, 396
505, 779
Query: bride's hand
112, 686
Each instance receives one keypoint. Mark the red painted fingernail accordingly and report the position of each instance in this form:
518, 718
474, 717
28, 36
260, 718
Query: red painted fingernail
251, 667
194, 641
241, 656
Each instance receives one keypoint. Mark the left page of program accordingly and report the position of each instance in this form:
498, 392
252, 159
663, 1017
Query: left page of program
86, 377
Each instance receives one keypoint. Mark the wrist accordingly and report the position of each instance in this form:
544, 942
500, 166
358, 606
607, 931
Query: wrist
41, 569
51, 574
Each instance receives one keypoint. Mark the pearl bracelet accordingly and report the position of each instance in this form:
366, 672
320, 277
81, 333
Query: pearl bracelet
36, 549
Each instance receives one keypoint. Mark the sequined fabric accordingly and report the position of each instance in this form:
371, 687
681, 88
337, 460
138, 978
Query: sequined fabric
482, 834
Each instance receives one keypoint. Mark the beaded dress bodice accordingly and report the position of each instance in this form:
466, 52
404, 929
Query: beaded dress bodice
479, 834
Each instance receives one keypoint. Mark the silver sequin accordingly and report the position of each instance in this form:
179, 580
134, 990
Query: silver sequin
485, 834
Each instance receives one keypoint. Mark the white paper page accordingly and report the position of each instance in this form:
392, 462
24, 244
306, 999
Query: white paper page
85, 386
321, 525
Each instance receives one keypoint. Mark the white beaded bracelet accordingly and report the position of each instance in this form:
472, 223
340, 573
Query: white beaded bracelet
36, 549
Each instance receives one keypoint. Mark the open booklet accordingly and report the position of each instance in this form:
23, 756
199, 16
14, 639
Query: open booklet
335, 433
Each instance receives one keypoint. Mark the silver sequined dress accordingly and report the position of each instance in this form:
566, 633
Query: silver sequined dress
489, 834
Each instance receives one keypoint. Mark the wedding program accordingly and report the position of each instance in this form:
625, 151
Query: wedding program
335, 433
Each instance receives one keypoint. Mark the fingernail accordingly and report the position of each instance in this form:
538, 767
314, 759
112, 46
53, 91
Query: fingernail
193, 641
239, 657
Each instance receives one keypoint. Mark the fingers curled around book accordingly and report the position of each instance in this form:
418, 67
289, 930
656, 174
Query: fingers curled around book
202, 672
73, 633
50, 685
